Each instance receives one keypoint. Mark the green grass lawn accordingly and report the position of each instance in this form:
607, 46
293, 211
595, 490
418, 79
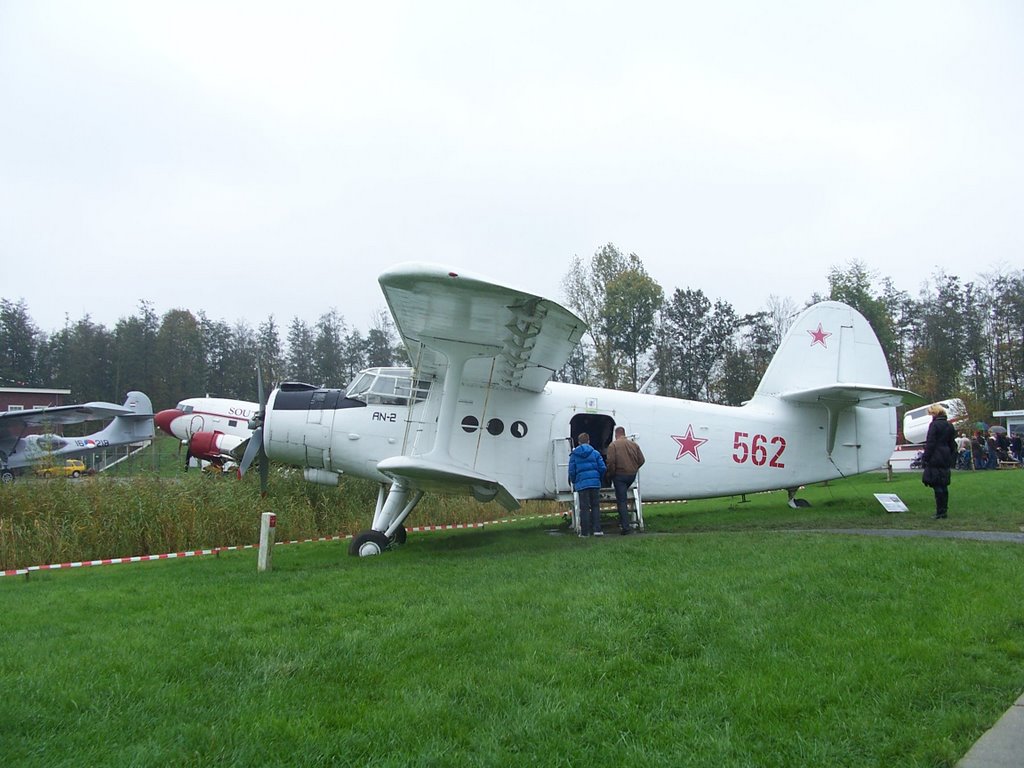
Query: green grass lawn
979, 501
519, 644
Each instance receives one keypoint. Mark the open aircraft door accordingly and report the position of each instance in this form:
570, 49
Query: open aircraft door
565, 429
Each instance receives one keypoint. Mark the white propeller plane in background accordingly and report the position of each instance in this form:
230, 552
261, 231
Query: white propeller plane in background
132, 423
478, 413
916, 421
214, 429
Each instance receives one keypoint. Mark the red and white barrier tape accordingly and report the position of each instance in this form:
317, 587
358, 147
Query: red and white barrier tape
215, 550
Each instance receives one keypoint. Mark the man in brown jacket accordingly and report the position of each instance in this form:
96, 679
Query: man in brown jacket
624, 460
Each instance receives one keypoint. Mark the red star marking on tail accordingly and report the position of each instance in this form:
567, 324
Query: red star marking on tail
688, 444
819, 336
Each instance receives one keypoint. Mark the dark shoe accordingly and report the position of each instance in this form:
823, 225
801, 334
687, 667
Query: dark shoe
624, 531
938, 517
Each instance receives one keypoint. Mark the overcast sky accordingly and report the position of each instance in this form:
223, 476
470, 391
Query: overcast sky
250, 158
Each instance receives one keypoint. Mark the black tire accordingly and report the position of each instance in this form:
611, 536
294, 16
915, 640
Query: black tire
367, 543
6, 477
399, 536
76, 474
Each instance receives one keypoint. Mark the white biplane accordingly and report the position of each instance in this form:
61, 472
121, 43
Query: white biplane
479, 415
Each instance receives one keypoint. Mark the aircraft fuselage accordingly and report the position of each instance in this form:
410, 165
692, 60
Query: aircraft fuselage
522, 439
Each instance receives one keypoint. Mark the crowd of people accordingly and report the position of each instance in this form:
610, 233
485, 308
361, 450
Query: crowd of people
986, 449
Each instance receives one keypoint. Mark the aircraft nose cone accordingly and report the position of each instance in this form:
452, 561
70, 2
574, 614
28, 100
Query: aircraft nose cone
164, 418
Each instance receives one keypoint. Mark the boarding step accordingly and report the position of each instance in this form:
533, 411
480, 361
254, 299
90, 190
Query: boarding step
609, 509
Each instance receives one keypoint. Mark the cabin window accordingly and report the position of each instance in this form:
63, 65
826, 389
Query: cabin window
387, 386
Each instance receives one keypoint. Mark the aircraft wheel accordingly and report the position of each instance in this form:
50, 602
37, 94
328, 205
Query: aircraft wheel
368, 543
6, 477
399, 536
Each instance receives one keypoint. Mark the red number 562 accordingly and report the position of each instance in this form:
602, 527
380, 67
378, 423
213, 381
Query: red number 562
755, 449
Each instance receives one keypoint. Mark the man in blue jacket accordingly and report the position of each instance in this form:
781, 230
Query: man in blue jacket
586, 468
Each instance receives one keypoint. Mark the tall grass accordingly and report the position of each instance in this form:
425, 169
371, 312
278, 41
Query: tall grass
59, 521
44, 521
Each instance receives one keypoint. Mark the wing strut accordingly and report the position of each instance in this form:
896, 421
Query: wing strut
458, 354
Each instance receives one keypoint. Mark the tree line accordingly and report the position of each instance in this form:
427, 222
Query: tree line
184, 354
954, 338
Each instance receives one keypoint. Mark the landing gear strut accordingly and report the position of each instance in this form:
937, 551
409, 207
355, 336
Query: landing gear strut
393, 506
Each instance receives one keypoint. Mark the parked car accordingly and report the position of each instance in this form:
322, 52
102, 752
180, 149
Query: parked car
70, 468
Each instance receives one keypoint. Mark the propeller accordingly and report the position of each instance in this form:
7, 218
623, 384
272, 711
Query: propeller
255, 450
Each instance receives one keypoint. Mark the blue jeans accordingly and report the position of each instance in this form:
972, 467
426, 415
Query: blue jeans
621, 484
590, 510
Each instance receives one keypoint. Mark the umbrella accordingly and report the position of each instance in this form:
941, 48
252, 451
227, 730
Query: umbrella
997, 430
980, 425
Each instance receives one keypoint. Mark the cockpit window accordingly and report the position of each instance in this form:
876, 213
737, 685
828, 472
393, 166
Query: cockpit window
185, 408
387, 386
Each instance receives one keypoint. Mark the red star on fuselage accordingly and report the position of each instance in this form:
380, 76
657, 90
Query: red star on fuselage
819, 336
688, 444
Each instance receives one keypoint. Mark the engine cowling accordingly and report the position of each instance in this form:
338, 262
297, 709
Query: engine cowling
213, 446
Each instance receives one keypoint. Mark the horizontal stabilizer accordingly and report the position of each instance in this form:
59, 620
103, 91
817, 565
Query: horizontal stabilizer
425, 475
838, 397
863, 395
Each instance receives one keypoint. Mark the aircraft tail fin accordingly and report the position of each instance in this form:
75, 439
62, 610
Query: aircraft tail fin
133, 427
829, 343
832, 357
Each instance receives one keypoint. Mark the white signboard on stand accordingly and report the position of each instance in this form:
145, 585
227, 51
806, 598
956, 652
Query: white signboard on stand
891, 502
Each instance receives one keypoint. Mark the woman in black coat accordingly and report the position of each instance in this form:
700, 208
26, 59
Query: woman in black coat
939, 457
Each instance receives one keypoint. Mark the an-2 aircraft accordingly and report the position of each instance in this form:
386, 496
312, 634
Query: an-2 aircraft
213, 429
132, 423
478, 414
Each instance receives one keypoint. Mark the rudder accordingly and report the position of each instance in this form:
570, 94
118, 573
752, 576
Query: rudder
829, 343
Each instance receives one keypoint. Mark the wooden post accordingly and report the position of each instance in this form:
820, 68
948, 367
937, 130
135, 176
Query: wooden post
268, 525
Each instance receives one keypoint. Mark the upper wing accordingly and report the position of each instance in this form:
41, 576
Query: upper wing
64, 414
527, 336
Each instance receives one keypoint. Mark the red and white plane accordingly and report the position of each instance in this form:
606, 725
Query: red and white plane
215, 429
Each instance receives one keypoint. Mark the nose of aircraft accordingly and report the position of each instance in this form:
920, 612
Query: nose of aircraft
164, 418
